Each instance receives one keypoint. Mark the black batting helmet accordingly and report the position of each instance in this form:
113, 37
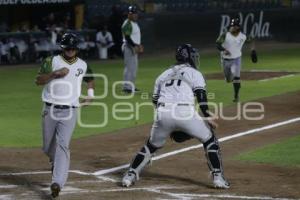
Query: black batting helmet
185, 53
69, 41
132, 9
235, 22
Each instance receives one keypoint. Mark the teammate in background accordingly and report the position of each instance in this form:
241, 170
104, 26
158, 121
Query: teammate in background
62, 77
173, 97
131, 48
104, 41
230, 45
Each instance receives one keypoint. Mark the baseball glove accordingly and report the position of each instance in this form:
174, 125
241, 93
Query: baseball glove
179, 136
253, 56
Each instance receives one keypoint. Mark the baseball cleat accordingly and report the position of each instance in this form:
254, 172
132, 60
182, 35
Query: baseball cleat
127, 91
219, 181
128, 179
55, 189
236, 100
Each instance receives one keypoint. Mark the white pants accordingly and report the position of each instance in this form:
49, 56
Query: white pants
178, 117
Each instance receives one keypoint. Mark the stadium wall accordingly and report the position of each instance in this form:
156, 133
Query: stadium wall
162, 31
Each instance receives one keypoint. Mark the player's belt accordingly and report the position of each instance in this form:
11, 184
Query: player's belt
59, 106
177, 104
229, 59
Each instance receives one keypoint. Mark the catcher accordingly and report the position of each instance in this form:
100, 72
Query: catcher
230, 45
177, 117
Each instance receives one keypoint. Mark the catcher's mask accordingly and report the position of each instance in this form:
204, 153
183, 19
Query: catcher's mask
69, 41
187, 54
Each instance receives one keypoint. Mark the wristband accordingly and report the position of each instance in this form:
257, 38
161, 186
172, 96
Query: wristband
90, 92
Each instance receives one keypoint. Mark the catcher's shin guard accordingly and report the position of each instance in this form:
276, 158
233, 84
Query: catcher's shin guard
213, 155
142, 159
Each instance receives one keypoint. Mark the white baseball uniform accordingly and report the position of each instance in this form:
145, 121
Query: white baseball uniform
176, 109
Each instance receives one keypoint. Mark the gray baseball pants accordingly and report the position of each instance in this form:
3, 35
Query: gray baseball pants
58, 126
176, 117
231, 68
130, 67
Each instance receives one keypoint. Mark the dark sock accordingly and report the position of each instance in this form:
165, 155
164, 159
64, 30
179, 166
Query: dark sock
236, 86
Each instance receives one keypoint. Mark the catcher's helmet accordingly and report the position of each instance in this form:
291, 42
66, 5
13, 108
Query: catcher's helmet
235, 22
69, 41
185, 53
132, 9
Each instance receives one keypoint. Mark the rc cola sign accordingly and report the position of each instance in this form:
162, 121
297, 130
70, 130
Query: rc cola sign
251, 25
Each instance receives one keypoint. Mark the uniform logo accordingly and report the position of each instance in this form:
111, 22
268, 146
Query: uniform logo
79, 72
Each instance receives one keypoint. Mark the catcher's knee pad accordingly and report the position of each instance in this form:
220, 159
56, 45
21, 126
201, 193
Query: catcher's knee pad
142, 158
213, 155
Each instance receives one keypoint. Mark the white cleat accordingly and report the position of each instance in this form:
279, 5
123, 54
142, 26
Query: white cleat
128, 179
219, 181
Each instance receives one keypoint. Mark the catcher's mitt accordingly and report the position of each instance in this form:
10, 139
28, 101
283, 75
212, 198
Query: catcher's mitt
253, 56
179, 136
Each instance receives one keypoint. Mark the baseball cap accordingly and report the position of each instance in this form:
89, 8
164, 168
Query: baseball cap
132, 9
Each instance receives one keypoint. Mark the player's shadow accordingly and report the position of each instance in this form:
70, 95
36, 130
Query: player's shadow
170, 178
25, 182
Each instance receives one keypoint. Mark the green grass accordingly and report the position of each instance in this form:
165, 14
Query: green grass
284, 153
20, 108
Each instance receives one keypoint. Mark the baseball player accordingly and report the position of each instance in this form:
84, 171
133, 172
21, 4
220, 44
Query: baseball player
104, 41
230, 45
62, 77
176, 116
131, 48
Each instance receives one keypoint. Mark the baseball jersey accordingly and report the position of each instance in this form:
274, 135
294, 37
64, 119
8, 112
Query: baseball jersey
65, 90
131, 29
177, 84
106, 39
233, 44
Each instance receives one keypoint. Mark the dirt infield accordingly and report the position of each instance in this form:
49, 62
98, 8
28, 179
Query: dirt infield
253, 75
183, 176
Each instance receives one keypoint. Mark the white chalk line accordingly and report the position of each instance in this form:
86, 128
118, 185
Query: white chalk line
178, 196
118, 168
107, 171
8, 186
6, 197
275, 78
73, 190
229, 196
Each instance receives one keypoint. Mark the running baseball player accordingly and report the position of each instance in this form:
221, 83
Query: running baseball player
230, 45
62, 77
131, 48
176, 116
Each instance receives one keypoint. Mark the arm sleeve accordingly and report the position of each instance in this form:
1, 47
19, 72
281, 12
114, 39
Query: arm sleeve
198, 81
88, 75
129, 41
46, 66
156, 91
220, 41
127, 30
202, 100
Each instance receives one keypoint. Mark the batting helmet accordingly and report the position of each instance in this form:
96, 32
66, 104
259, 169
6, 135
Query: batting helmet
69, 41
185, 53
132, 9
235, 22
